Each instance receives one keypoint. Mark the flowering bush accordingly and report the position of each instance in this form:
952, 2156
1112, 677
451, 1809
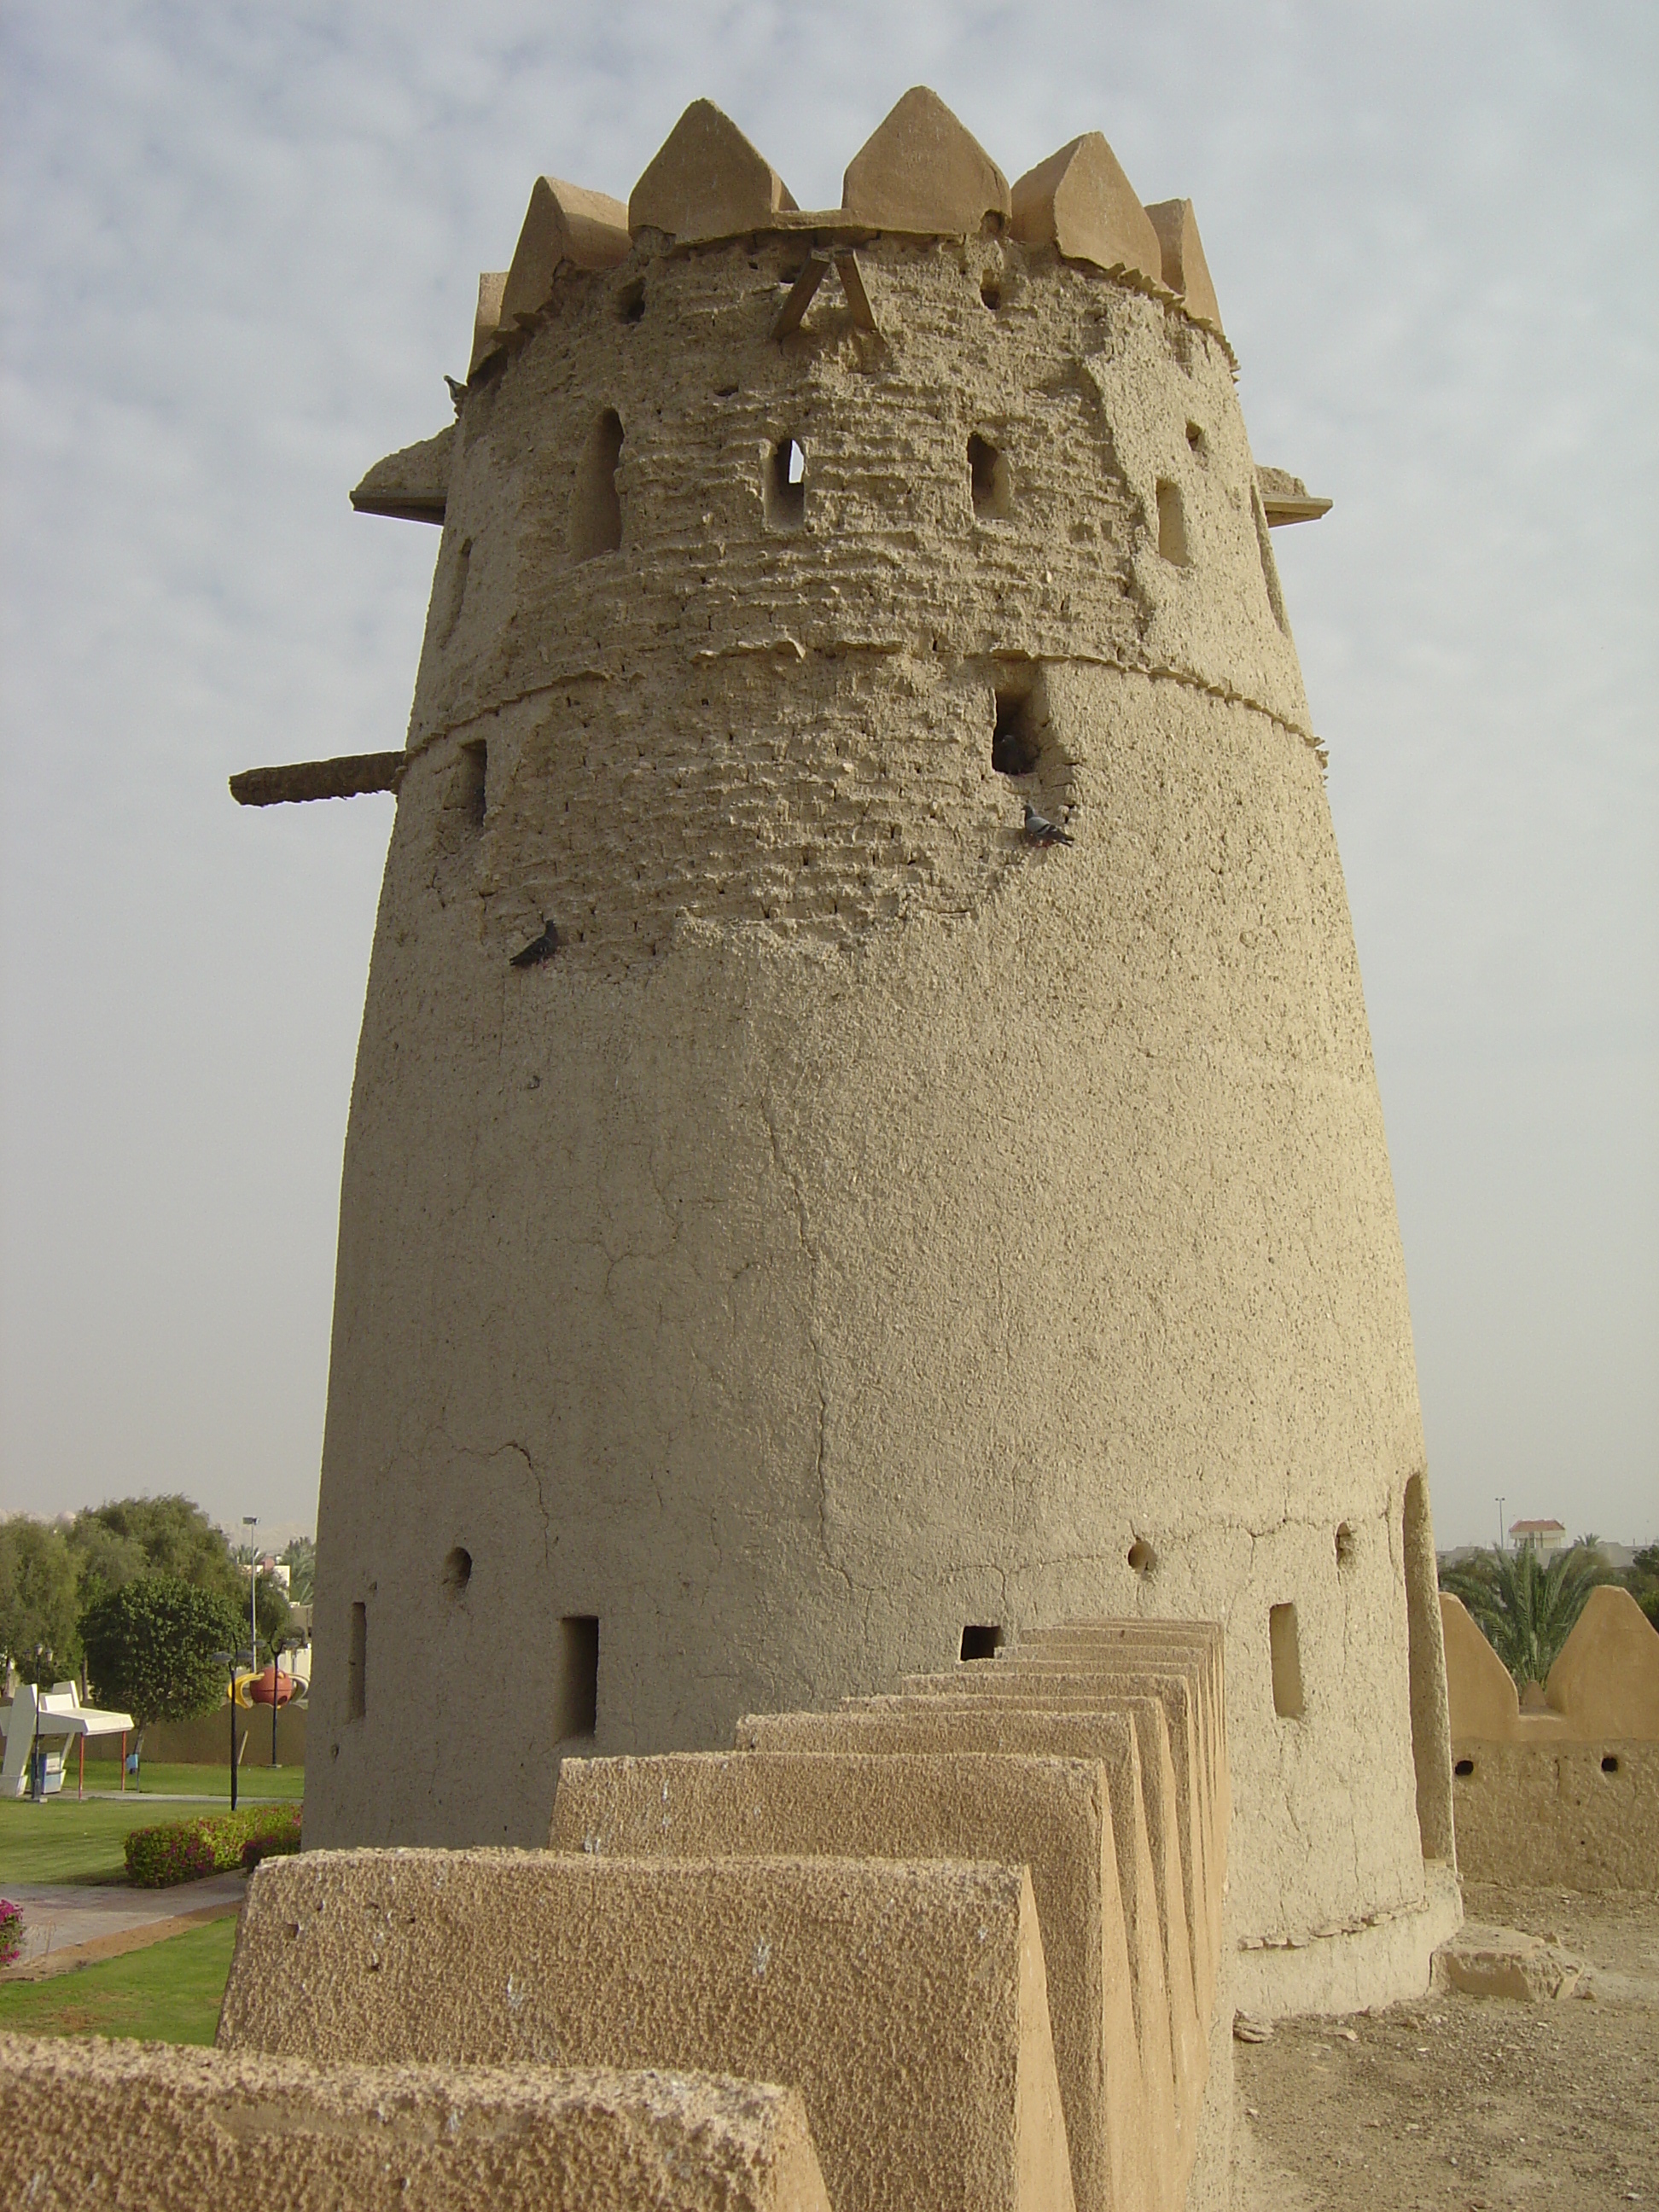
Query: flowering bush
184, 1851
11, 1930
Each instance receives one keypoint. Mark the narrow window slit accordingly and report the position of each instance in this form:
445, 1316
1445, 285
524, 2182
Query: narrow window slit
596, 520
786, 485
1016, 737
988, 480
357, 1663
1286, 1654
1171, 524
576, 1708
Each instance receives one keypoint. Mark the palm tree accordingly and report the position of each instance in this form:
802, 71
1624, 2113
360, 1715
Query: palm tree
1526, 1609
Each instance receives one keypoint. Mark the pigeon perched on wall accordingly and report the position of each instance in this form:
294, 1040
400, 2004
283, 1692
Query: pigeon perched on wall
1040, 830
541, 948
457, 392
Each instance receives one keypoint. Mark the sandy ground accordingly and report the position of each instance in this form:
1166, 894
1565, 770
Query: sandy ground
1474, 2102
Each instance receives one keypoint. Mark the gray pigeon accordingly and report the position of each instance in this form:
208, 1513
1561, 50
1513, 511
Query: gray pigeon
1040, 830
541, 948
457, 392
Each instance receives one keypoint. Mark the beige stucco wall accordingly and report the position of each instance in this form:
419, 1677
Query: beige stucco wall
1564, 1814
1570, 1794
866, 1225
1053, 1815
907, 2002
87, 2122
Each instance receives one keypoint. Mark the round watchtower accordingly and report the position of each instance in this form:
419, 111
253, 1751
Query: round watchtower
859, 1224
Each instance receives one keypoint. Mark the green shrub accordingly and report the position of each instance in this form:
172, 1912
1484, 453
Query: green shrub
184, 1851
282, 1844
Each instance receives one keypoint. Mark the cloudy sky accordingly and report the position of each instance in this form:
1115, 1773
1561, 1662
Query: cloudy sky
240, 248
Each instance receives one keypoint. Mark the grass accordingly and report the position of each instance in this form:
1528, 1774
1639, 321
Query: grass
169, 1992
64, 1841
255, 1786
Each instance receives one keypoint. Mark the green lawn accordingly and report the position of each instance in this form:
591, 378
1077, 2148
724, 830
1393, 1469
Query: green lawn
168, 1992
255, 1786
65, 1841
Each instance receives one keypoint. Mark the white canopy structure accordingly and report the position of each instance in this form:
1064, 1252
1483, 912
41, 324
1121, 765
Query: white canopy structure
49, 1720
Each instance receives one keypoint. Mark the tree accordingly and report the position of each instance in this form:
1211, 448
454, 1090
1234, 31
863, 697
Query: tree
1525, 1608
1642, 1581
274, 1611
173, 1536
299, 1557
104, 1560
150, 1647
38, 1601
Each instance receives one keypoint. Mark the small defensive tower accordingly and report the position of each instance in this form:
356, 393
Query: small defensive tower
804, 1220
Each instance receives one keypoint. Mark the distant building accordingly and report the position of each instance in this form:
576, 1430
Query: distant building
1546, 1538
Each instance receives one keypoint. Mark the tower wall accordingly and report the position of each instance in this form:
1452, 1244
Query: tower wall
867, 1224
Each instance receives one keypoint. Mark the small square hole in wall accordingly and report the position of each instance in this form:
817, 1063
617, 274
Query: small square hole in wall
786, 485
1286, 1654
981, 1640
576, 1690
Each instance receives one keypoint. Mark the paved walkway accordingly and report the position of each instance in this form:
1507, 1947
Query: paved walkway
244, 1798
70, 1925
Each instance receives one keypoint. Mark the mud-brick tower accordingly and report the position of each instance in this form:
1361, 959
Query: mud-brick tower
870, 1223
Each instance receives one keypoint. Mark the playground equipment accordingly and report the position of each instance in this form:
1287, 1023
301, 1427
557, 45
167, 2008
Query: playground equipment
267, 1685
39, 1725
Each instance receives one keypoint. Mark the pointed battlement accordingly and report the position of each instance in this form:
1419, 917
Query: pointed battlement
921, 174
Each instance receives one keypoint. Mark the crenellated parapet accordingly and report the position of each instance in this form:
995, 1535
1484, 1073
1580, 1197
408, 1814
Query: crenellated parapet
920, 175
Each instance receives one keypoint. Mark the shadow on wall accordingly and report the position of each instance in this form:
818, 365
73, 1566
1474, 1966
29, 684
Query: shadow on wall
1569, 1796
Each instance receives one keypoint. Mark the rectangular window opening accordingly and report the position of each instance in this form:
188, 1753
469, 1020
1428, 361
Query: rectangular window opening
577, 1690
1287, 1662
980, 1640
357, 1664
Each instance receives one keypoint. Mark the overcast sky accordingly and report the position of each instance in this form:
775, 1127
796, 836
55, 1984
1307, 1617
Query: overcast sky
240, 248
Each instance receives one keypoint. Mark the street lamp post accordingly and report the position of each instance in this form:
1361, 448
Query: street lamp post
1500, 1524
250, 1522
231, 1660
